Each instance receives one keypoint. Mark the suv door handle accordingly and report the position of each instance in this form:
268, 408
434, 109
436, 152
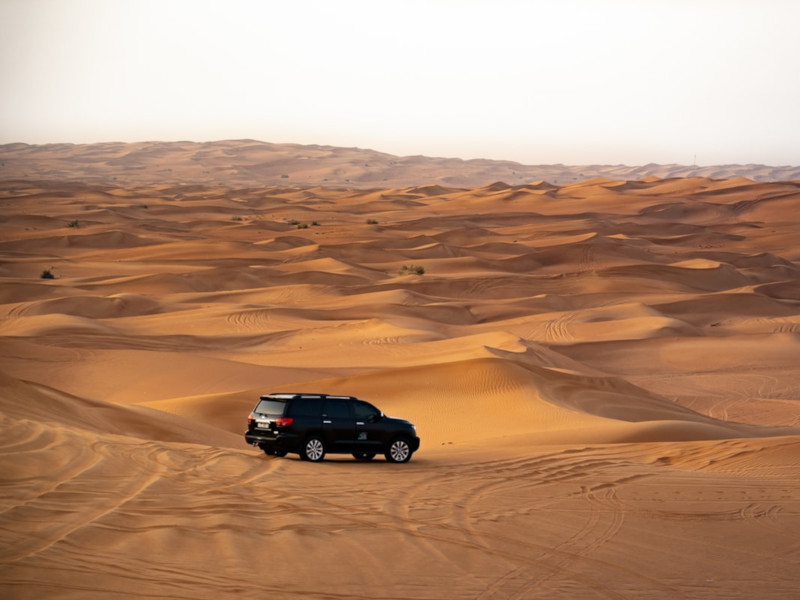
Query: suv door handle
359, 422
326, 422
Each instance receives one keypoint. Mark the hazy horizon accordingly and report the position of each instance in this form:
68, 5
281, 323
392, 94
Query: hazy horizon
580, 82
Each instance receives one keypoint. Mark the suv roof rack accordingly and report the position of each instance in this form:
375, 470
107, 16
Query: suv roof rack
290, 396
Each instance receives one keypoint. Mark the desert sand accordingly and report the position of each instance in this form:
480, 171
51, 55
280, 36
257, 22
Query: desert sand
604, 375
253, 163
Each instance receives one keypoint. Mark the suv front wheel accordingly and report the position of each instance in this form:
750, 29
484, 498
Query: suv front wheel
399, 451
313, 449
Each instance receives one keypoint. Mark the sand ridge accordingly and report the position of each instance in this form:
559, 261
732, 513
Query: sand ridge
603, 373
253, 163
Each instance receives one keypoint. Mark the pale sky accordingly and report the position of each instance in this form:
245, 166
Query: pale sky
538, 82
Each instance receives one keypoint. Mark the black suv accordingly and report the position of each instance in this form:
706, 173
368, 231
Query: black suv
313, 424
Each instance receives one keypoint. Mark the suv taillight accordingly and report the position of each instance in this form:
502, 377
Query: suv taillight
283, 421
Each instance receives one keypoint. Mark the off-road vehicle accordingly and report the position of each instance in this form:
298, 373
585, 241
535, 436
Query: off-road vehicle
312, 425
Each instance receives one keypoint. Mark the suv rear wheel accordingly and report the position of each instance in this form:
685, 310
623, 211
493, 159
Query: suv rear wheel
399, 451
313, 449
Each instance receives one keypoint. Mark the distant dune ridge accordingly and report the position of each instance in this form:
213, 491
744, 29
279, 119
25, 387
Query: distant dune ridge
249, 163
603, 371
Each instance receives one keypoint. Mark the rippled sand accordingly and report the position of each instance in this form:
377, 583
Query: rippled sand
604, 375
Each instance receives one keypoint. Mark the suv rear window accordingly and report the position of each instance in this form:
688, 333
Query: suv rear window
271, 407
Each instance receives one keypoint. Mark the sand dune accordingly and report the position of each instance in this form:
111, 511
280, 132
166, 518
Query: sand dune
251, 163
604, 375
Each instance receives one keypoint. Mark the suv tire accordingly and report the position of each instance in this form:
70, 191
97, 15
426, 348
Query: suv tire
399, 451
313, 449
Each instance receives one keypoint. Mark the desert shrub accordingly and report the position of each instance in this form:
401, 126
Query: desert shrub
314, 224
236, 218
73, 223
372, 222
302, 225
412, 269
47, 274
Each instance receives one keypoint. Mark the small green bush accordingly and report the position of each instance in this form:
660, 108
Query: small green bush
73, 223
47, 274
412, 269
372, 222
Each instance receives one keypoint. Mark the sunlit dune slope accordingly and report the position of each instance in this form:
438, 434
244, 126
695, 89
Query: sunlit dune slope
46, 409
482, 399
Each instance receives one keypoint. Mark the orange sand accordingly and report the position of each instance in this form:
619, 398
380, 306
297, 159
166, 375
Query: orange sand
251, 163
604, 376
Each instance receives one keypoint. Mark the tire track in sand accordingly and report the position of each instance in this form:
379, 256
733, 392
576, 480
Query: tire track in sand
442, 528
537, 563
88, 485
557, 329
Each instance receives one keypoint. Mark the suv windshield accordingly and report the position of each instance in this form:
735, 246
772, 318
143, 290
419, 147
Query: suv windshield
270, 407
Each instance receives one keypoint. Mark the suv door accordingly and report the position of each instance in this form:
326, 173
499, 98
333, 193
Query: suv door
369, 431
338, 425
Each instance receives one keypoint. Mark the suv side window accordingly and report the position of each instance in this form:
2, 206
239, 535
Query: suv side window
337, 409
306, 407
365, 412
